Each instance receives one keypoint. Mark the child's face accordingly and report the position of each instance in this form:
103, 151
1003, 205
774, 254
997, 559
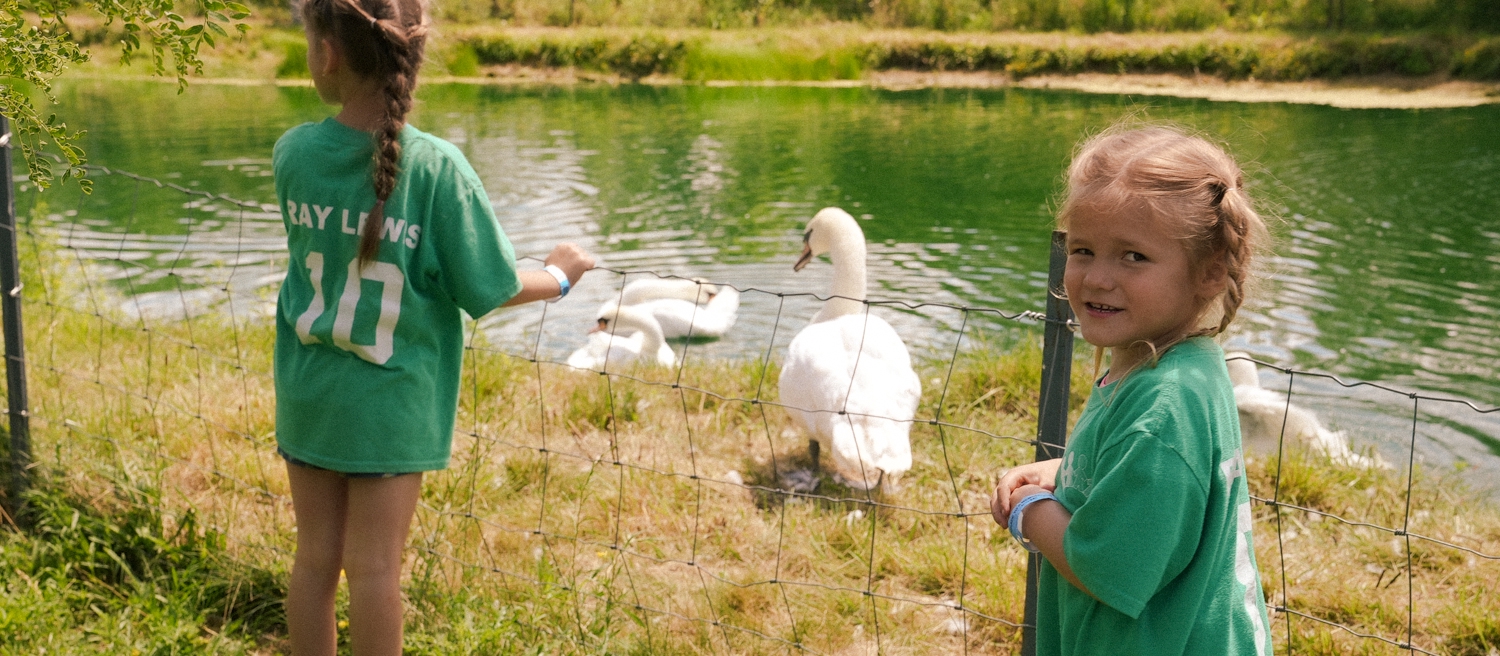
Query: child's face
1129, 280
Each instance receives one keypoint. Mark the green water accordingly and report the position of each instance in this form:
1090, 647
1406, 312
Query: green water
1387, 221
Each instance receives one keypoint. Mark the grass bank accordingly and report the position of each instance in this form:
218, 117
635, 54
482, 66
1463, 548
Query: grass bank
589, 514
849, 53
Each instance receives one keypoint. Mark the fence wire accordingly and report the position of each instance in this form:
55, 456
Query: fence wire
649, 507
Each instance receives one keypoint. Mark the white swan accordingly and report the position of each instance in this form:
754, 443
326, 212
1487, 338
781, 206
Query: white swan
1263, 413
651, 288
684, 307
848, 379
609, 344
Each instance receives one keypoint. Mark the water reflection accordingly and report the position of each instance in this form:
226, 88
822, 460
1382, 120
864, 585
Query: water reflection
1385, 265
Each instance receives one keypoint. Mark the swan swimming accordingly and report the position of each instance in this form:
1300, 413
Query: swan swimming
609, 345
1263, 413
848, 379
683, 307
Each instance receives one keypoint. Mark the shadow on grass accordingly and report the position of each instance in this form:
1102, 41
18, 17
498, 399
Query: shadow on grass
794, 479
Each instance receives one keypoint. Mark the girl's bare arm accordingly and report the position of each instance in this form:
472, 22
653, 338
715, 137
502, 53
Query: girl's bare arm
540, 285
1044, 524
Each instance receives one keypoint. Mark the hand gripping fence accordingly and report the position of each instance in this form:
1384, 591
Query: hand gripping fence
641, 506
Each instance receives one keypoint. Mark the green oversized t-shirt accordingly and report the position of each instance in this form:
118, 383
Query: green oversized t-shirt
367, 363
1161, 528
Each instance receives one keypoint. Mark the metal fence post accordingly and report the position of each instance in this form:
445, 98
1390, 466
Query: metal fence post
1052, 412
15, 347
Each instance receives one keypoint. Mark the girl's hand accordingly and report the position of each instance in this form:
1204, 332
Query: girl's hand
573, 260
1041, 476
538, 284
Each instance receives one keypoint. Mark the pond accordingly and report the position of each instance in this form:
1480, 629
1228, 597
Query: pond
1386, 222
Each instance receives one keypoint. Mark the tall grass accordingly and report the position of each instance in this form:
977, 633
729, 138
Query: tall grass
1088, 16
589, 514
847, 54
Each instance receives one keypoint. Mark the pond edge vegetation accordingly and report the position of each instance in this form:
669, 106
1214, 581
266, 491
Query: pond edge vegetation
791, 55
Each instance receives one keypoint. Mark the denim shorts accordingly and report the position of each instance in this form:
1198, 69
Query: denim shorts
285, 456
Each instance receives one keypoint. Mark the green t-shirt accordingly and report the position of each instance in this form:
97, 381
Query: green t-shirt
367, 364
1161, 528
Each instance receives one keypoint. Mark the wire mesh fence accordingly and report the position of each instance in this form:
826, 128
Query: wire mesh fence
659, 509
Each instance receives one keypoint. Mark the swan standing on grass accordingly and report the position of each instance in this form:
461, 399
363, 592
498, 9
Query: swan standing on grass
683, 307
609, 345
1264, 412
848, 379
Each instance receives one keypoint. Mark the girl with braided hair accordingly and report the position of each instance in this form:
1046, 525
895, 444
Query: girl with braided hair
391, 237
1144, 523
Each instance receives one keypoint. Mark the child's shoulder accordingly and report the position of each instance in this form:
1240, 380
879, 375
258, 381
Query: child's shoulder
1189, 377
423, 151
1194, 365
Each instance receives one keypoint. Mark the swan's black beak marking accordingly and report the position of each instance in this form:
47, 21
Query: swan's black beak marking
807, 254
603, 325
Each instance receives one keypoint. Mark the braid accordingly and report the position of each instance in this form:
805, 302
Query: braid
1239, 232
384, 40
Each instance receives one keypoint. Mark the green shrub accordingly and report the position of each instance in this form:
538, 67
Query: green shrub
1479, 62
293, 60
462, 61
645, 55
635, 57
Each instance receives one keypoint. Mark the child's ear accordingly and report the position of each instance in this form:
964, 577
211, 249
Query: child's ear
331, 58
1214, 278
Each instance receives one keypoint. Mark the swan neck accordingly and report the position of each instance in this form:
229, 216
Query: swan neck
652, 337
847, 291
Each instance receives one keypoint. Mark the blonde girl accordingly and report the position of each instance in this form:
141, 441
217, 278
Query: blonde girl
390, 235
1144, 523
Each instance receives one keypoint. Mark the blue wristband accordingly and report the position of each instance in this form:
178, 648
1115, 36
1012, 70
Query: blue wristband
562, 282
1015, 518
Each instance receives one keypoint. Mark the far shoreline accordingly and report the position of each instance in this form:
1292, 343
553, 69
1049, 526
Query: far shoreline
1382, 92
1385, 92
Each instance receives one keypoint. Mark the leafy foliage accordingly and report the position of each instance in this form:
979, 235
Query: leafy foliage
37, 44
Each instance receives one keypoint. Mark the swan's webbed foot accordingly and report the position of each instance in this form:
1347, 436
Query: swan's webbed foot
804, 481
800, 481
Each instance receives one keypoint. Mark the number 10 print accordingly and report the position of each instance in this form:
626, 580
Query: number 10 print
392, 282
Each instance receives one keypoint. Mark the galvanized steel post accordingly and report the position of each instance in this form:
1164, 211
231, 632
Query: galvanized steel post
15, 347
1052, 413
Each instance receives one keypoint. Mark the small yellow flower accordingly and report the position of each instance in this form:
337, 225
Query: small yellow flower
343, 624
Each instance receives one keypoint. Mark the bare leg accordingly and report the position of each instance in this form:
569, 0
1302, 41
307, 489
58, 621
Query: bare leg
379, 517
320, 500
813, 449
